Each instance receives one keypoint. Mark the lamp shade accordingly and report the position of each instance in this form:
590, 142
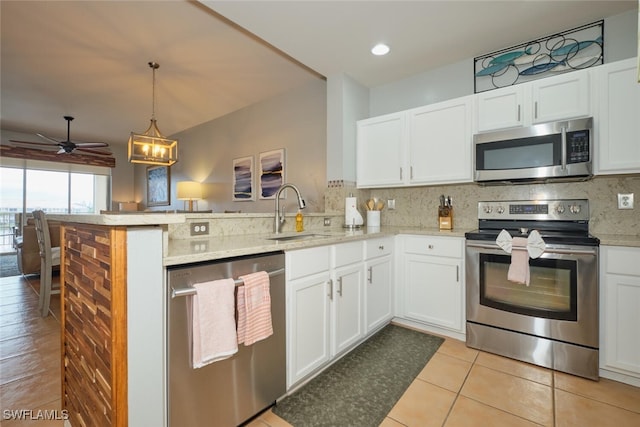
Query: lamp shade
189, 190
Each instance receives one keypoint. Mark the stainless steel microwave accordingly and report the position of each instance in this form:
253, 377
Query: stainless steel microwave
539, 153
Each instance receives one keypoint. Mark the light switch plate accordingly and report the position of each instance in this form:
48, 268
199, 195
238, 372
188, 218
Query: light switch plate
625, 201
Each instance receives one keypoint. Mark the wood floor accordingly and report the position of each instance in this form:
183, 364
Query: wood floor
458, 387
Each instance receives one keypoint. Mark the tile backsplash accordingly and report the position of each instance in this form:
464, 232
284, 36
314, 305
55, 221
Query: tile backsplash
418, 206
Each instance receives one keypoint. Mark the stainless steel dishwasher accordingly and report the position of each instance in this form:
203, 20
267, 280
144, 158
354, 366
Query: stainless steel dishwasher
231, 391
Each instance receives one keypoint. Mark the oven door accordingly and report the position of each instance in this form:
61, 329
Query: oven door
560, 303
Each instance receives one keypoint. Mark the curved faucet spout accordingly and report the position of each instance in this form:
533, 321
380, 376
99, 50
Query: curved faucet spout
279, 215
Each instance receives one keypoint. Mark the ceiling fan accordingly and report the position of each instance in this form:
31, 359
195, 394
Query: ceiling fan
68, 146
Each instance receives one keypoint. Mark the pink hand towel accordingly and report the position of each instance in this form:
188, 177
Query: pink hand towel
519, 268
254, 308
213, 325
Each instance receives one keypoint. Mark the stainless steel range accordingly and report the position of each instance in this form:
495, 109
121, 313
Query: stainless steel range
552, 321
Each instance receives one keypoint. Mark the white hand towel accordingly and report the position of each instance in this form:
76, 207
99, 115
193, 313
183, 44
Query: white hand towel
504, 241
254, 313
535, 244
519, 268
213, 325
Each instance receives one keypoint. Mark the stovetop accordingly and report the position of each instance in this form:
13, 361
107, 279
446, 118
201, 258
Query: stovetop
558, 221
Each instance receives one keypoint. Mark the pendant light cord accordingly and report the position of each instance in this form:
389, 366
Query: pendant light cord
154, 66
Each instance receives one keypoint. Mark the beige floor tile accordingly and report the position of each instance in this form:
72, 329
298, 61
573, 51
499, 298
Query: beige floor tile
573, 410
468, 412
33, 326
272, 420
27, 343
31, 392
612, 392
40, 360
388, 422
524, 398
459, 349
423, 405
446, 371
515, 367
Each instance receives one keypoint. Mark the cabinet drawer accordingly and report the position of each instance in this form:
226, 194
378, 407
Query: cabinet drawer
378, 247
347, 253
306, 262
431, 245
622, 260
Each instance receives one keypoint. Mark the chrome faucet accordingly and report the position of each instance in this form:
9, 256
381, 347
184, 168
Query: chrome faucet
279, 218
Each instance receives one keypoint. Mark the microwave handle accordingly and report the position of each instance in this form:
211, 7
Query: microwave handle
563, 135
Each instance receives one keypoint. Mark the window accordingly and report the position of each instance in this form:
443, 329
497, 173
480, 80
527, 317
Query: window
53, 187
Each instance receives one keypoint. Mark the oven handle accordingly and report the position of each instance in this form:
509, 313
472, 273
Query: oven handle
548, 251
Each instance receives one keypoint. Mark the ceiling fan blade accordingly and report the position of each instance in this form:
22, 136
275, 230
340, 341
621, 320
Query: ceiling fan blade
55, 141
33, 143
91, 144
98, 152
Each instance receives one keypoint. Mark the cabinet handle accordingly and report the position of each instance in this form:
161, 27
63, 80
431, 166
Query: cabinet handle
340, 286
381, 247
457, 273
331, 289
535, 109
411, 172
430, 246
370, 274
400, 174
518, 112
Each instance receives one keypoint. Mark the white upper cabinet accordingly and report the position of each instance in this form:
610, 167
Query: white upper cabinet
566, 96
440, 142
421, 146
380, 149
618, 118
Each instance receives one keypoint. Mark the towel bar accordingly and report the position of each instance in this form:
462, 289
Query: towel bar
191, 290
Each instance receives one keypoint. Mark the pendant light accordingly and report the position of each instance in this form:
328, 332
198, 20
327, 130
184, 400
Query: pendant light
151, 147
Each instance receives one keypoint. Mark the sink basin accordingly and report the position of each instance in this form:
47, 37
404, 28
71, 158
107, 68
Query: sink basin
302, 236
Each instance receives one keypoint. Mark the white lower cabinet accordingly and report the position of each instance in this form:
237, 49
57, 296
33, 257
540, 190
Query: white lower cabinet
431, 281
620, 313
325, 299
308, 311
378, 287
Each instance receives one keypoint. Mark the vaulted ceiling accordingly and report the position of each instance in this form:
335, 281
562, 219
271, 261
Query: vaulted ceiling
89, 59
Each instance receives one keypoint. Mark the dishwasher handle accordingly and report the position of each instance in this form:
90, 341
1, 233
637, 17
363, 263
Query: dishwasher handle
181, 292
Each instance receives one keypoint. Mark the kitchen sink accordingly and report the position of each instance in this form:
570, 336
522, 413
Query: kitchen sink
297, 236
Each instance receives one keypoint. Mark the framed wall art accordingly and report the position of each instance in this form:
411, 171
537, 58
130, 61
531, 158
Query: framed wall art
243, 187
158, 178
570, 50
272, 172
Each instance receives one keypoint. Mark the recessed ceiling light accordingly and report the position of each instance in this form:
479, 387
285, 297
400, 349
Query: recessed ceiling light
380, 49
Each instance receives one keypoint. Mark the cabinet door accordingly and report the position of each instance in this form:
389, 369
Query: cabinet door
433, 290
308, 322
440, 143
561, 97
380, 153
500, 108
348, 298
378, 289
619, 109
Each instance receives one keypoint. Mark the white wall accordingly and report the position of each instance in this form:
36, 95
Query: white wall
295, 121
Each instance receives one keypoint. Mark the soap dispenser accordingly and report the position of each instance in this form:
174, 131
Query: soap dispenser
299, 222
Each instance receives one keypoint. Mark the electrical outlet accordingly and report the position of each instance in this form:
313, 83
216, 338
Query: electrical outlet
327, 222
199, 228
625, 201
391, 204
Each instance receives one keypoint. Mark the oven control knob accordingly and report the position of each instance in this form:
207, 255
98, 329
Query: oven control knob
560, 209
500, 209
575, 209
488, 209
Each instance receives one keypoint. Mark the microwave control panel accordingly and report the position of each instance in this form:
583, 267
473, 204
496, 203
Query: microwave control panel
578, 146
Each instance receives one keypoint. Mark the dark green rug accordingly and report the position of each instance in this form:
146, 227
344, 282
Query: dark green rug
360, 389
9, 265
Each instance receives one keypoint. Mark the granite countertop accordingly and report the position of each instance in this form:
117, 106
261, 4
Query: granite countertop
184, 251
124, 219
619, 240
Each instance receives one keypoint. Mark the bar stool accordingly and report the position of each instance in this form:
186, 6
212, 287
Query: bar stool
49, 258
